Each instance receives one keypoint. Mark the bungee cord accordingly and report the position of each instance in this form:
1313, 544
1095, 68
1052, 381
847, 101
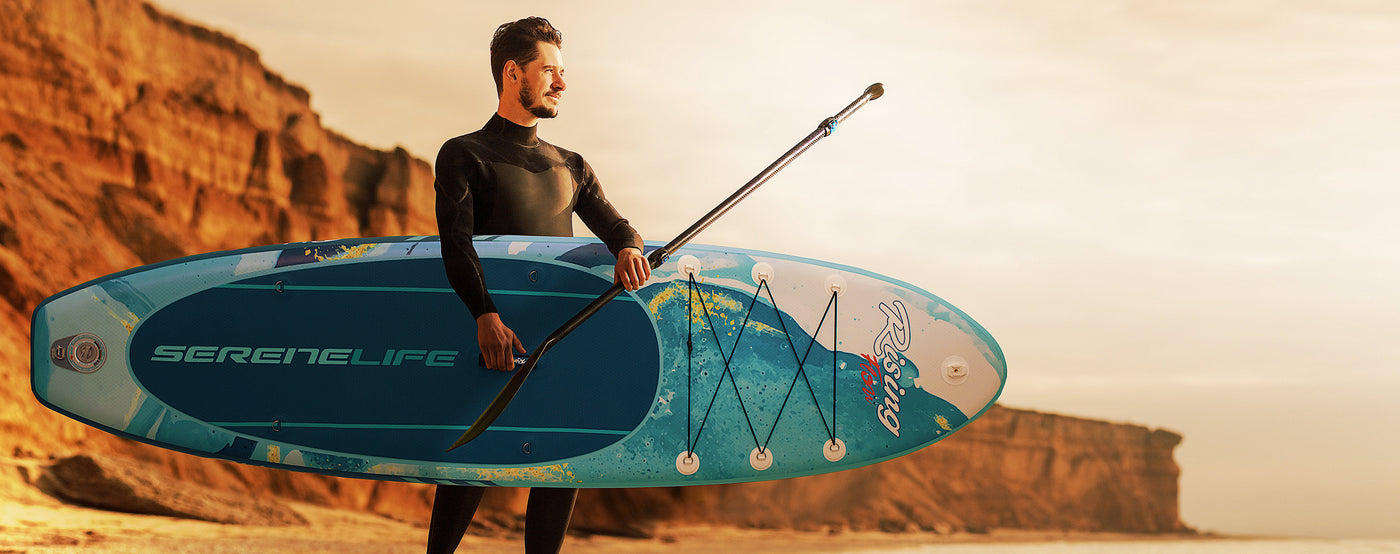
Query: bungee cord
726, 372
694, 291
802, 370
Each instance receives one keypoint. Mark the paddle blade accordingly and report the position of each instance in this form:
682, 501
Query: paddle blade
498, 404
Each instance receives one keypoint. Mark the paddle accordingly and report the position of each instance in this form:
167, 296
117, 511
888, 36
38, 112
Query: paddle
657, 258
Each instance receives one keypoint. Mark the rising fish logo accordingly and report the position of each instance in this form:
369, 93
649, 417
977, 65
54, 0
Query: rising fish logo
881, 371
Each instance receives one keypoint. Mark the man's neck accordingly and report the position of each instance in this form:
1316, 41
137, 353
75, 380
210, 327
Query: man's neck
517, 114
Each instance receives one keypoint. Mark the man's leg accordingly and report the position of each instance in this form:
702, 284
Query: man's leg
547, 519
453, 508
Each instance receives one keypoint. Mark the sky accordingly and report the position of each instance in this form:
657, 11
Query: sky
1174, 214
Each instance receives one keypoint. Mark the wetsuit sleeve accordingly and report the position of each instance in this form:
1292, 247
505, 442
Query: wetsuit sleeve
599, 215
456, 171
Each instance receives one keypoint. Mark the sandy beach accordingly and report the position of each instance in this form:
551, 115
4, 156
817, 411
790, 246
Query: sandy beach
55, 527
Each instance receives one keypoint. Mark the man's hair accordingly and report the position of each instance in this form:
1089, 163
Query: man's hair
516, 41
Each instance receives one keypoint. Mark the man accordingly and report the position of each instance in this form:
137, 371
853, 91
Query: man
504, 180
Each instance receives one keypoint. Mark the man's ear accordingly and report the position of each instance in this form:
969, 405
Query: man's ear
511, 70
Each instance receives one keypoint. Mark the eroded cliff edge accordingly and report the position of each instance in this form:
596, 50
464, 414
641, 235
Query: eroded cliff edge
128, 136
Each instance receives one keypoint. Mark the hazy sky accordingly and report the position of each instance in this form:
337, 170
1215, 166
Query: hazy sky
1175, 214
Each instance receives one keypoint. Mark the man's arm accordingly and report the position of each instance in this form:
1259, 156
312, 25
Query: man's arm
623, 241
456, 222
456, 217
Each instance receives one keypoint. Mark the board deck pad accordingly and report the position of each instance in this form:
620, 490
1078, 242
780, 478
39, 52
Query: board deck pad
356, 358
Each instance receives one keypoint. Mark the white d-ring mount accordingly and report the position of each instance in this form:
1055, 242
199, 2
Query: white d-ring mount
955, 370
835, 283
834, 450
689, 265
761, 458
688, 463
762, 272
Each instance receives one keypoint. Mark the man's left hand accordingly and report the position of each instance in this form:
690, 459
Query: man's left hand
632, 269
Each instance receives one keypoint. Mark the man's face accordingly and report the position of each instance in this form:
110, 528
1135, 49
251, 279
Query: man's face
542, 82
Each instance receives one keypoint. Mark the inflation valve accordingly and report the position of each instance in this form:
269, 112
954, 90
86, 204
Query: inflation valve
83, 353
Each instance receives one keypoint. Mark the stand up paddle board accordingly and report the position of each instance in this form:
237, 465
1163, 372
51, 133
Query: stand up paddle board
355, 358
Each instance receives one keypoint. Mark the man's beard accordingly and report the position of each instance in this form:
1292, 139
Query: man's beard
538, 110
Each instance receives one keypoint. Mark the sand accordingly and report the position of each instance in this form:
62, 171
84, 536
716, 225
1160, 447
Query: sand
40, 527
34, 522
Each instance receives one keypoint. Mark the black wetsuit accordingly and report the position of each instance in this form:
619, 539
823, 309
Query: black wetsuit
503, 180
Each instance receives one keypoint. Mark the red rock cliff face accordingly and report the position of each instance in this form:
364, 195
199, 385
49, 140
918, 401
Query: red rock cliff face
129, 137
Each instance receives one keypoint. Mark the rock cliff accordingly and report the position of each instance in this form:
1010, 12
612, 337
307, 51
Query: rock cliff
128, 137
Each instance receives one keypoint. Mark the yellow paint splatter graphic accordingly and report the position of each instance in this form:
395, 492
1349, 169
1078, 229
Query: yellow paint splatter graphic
717, 303
129, 321
943, 422
274, 454
346, 253
558, 473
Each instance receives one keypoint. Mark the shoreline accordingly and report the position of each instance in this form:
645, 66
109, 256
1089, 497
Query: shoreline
57, 527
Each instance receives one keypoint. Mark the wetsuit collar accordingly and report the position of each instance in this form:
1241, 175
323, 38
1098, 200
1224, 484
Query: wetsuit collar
500, 126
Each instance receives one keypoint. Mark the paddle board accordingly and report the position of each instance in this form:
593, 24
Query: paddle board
355, 358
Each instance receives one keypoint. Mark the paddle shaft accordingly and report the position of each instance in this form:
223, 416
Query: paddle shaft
657, 258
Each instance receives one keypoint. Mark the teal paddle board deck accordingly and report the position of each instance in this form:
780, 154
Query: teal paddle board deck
356, 358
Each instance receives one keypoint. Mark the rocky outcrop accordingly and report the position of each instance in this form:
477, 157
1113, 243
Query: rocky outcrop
129, 137
127, 486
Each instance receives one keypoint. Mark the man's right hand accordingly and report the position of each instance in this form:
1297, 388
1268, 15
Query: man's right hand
496, 341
